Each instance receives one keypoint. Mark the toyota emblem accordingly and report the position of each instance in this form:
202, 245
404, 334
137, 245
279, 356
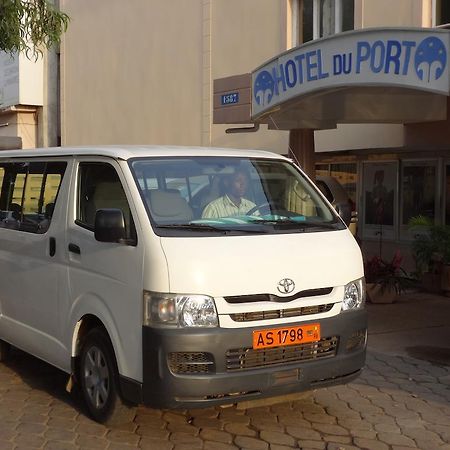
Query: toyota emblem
286, 286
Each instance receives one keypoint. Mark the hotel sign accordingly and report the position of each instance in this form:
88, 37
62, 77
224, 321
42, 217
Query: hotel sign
405, 58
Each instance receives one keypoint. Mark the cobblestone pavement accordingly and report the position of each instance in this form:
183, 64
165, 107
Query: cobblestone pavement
398, 403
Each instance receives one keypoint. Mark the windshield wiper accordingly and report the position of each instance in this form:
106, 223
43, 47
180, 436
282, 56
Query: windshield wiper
207, 227
193, 226
297, 223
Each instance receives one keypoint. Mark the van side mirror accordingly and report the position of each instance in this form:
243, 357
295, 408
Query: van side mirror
344, 210
109, 225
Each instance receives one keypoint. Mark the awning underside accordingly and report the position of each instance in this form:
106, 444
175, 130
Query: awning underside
327, 108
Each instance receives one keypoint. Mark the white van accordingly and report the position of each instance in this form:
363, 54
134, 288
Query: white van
177, 277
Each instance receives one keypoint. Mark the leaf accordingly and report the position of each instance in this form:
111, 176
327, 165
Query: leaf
30, 25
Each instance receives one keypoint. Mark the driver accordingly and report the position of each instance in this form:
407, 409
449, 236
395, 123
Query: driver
233, 202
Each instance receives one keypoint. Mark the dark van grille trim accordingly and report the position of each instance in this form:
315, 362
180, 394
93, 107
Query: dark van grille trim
248, 358
281, 313
275, 298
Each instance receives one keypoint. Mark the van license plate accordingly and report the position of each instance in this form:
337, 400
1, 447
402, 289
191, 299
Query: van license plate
278, 337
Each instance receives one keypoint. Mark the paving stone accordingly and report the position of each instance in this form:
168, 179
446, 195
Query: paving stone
395, 439
400, 447
337, 439
306, 444
182, 446
234, 417
216, 436
354, 424
184, 428
319, 418
307, 434
65, 424
279, 447
343, 411
94, 442
29, 440
123, 437
152, 433
387, 428
155, 444
201, 423
267, 424
340, 446
187, 439
294, 420
251, 443
330, 429
435, 418
59, 445
211, 445
121, 446
424, 438
442, 430
370, 444
57, 434
239, 429
30, 428
34, 418
172, 417
154, 422
275, 437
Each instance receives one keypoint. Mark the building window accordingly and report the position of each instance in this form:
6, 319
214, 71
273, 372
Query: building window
441, 12
447, 195
419, 190
313, 19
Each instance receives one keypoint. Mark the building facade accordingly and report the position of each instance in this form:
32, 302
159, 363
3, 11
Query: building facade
144, 74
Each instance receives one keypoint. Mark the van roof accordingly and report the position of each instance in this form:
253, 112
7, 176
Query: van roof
126, 152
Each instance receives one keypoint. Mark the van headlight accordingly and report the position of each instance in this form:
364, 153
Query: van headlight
179, 310
354, 295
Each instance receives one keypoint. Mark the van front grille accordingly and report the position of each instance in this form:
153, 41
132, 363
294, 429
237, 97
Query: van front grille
191, 362
281, 313
275, 298
248, 358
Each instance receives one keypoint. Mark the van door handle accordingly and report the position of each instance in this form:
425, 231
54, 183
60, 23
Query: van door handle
74, 249
52, 246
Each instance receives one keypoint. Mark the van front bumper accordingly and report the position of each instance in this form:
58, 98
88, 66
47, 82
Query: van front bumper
187, 368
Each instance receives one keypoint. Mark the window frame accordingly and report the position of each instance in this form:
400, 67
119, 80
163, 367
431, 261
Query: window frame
132, 238
6, 202
404, 233
297, 13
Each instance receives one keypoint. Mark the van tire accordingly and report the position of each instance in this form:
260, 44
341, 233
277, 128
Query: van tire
99, 381
5, 350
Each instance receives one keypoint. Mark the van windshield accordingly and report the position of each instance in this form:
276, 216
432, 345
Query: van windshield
230, 195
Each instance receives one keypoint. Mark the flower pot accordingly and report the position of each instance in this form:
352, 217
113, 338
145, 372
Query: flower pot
377, 293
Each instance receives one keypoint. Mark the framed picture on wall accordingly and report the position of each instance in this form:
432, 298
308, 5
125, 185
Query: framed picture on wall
380, 199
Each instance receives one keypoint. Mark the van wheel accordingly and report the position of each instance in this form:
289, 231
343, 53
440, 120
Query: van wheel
5, 350
99, 378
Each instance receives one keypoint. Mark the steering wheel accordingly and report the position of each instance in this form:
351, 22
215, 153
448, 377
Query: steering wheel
272, 208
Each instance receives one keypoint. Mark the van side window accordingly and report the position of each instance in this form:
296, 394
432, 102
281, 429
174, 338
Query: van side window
28, 194
99, 187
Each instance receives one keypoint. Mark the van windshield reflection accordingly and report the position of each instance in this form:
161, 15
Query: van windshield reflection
219, 194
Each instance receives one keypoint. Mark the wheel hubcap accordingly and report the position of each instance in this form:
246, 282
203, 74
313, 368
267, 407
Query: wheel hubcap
96, 377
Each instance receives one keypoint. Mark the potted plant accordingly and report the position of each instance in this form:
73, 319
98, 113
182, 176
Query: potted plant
385, 281
431, 248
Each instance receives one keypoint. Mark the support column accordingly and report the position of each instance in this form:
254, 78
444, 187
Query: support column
301, 143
